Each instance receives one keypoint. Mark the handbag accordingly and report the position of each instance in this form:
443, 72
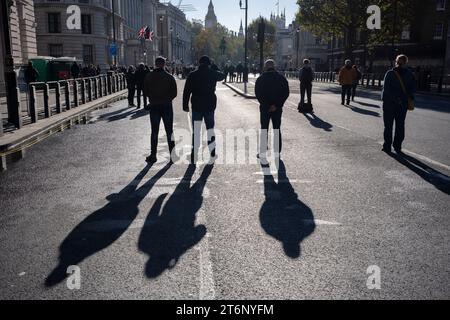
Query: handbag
411, 105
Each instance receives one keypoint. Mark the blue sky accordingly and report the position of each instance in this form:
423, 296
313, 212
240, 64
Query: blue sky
229, 14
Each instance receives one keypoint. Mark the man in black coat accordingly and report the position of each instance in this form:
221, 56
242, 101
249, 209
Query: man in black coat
130, 76
306, 77
161, 89
272, 91
140, 75
75, 70
200, 88
31, 73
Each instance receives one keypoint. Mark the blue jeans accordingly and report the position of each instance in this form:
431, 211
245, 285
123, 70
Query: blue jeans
197, 120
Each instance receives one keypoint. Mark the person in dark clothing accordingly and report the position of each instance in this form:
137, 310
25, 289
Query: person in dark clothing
31, 74
200, 88
399, 87
231, 71
140, 75
75, 70
160, 88
306, 77
272, 91
240, 72
131, 85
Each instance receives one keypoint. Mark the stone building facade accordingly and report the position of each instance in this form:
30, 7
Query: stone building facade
91, 43
23, 35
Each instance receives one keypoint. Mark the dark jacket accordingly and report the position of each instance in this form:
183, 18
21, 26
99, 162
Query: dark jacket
392, 90
140, 75
201, 85
75, 70
131, 79
31, 74
160, 87
306, 75
272, 88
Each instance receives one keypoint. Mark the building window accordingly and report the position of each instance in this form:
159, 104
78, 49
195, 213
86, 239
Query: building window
83, 1
440, 5
86, 25
55, 50
88, 54
54, 22
439, 31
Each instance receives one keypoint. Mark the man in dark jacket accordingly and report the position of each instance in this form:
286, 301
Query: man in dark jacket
240, 72
31, 75
160, 88
201, 86
399, 86
140, 77
131, 85
75, 70
272, 91
306, 77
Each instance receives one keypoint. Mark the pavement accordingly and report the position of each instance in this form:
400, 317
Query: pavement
336, 207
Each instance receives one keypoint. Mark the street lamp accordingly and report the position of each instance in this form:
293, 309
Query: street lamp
161, 19
246, 44
394, 27
298, 44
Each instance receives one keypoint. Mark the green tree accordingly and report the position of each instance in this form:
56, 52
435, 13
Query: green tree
345, 18
269, 39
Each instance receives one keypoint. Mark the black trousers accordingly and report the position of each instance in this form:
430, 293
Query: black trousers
394, 113
164, 112
140, 91
346, 93
131, 94
265, 119
305, 88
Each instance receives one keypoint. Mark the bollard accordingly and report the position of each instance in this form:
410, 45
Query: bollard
67, 95
76, 100
95, 88
105, 85
89, 89
32, 104
1, 125
100, 86
109, 85
2, 163
117, 82
58, 98
47, 111
19, 122
83, 91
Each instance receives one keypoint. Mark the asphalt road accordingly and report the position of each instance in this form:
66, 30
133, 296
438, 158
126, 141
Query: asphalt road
337, 206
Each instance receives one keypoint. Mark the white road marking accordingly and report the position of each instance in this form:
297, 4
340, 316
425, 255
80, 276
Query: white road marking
207, 286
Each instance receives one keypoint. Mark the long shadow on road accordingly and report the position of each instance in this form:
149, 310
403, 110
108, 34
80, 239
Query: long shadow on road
283, 215
171, 229
318, 122
436, 178
103, 227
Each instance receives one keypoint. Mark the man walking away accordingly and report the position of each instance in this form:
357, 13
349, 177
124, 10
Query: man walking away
75, 70
272, 91
140, 78
239, 71
160, 87
306, 76
131, 85
31, 74
346, 77
398, 95
356, 81
200, 88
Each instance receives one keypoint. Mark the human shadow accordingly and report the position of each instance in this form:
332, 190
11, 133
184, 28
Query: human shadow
133, 114
103, 227
170, 230
439, 180
364, 111
365, 104
318, 123
283, 215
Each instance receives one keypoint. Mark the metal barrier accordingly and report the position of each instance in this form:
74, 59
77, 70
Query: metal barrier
44, 100
372, 80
